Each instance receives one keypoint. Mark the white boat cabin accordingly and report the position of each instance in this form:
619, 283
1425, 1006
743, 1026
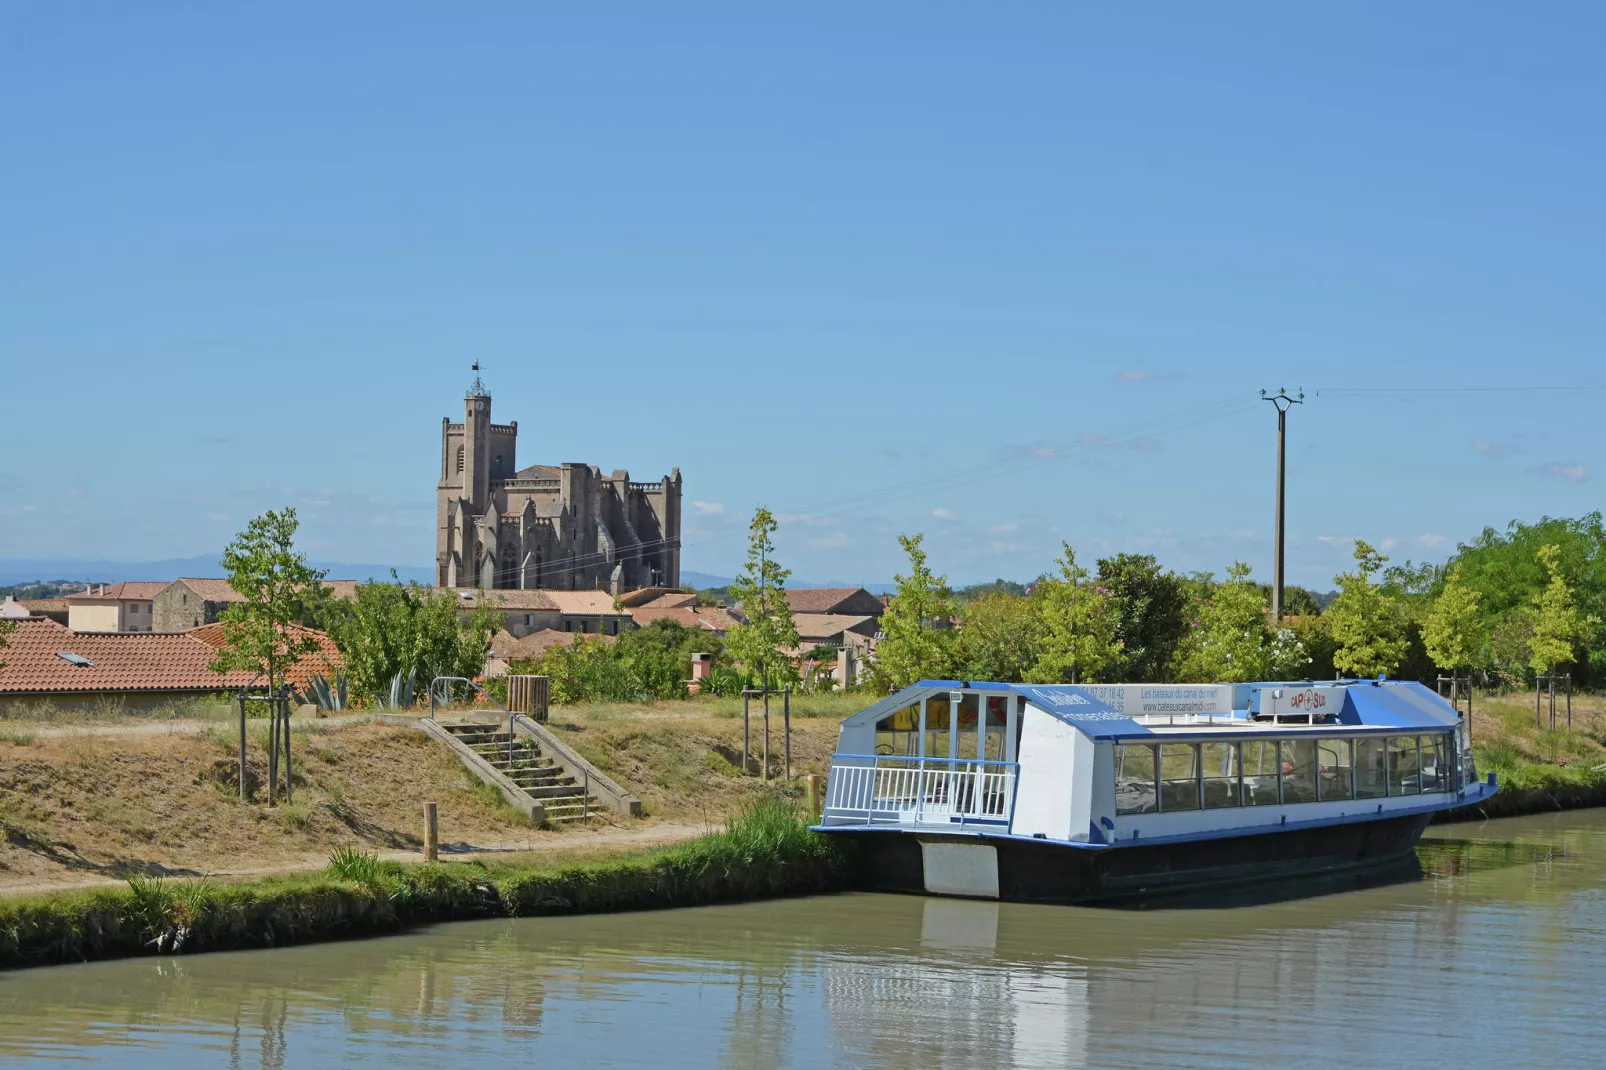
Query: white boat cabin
1107, 765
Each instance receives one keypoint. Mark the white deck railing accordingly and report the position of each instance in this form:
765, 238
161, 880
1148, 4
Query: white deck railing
877, 790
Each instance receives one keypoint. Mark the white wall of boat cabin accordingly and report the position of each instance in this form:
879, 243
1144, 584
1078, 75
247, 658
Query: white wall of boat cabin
1053, 788
856, 739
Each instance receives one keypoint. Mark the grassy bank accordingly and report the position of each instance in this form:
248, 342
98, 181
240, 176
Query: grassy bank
1539, 769
766, 852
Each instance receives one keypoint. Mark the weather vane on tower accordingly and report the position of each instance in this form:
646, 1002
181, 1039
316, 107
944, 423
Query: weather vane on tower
477, 388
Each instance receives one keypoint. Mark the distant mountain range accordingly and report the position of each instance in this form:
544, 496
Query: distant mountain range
705, 580
19, 570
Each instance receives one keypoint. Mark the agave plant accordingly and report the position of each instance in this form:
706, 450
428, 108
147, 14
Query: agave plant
330, 697
401, 691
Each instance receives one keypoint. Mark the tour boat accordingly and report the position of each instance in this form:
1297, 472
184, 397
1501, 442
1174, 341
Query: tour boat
1056, 793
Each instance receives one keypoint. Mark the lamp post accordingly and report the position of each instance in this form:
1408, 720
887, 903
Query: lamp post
1283, 403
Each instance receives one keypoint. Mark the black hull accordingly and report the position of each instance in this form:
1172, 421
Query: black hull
1035, 872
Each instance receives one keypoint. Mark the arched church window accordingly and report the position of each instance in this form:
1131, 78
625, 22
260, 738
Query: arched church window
460, 460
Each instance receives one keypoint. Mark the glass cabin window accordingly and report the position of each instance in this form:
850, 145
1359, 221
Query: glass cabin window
898, 734
1299, 770
1404, 766
1334, 769
1433, 775
1371, 768
1179, 776
1260, 773
1136, 769
1219, 763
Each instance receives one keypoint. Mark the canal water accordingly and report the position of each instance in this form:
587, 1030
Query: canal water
1491, 950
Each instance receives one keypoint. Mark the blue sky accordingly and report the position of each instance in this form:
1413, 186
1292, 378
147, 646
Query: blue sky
1005, 274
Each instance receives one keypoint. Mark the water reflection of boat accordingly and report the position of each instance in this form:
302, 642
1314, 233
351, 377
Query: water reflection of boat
1054, 793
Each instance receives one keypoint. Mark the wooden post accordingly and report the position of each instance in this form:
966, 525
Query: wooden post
242, 747
1539, 690
273, 750
747, 765
1569, 701
816, 796
786, 718
432, 840
284, 705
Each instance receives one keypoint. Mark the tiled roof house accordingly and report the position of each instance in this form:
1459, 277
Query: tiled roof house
45, 661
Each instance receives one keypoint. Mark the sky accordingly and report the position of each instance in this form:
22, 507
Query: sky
1005, 274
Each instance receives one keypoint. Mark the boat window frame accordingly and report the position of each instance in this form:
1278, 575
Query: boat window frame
1160, 781
1118, 764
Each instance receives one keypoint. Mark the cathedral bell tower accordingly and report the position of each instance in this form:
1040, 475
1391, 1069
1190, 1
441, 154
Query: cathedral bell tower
477, 446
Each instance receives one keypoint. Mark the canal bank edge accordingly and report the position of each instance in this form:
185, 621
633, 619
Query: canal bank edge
767, 852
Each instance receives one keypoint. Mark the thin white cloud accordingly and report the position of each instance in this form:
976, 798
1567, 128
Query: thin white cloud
708, 508
1007, 529
1571, 471
18, 510
1484, 446
1143, 377
834, 541
944, 513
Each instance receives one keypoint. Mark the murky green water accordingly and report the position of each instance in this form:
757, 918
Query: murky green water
1496, 953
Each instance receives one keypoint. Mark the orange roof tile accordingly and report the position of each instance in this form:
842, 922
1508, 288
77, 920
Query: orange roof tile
702, 618
120, 662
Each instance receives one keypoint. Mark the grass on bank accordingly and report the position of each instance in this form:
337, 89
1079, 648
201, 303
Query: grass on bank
765, 852
1539, 768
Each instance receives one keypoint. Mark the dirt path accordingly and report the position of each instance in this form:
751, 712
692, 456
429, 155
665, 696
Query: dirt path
575, 841
190, 728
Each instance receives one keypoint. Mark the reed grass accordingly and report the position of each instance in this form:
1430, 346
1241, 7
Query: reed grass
765, 852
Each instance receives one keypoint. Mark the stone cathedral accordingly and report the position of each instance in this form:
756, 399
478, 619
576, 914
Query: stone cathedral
560, 527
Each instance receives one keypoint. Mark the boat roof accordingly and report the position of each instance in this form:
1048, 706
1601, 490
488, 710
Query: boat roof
1381, 703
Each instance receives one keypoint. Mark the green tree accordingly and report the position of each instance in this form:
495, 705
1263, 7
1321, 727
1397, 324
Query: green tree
766, 636
1151, 614
6, 628
1229, 639
916, 641
1505, 568
1453, 632
1365, 619
998, 639
263, 632
1558, 623
1079, 622
392, 629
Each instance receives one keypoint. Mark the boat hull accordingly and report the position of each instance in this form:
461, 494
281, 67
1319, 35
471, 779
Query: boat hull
1030, 871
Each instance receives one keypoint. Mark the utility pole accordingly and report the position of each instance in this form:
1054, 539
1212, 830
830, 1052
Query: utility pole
1283, 403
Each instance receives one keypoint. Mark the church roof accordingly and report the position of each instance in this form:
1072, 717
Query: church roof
537, 471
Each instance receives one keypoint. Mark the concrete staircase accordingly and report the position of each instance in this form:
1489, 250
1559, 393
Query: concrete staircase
521, 760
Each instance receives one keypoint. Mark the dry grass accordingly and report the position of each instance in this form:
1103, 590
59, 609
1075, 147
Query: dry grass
683, 759
87, 806
1506, 737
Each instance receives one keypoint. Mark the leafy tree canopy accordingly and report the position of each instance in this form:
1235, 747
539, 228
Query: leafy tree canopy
765, 638
1078, 631
278, 591
1366, 619
916, 643
1151, 614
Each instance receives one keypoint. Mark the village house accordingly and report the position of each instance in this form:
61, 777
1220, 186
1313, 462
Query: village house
524, 612
190, 602
118, 607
